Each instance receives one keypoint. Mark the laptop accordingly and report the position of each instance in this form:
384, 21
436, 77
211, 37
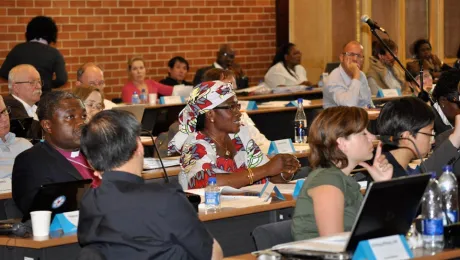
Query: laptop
59, 197
330, 66
389, 207
136, 110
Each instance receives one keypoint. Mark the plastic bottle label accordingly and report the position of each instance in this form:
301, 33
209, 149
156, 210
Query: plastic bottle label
212, 198
432, 227
453, 216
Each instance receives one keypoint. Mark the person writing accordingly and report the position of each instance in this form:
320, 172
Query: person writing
330, 198
213, 143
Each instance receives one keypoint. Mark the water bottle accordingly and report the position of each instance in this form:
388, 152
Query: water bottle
322, 79
449, 190
432, 228
300, 123
212, 196
135, 98
143, 97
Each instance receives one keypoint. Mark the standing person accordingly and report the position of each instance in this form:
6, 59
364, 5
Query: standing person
286, 69
37, 51
139, 83
177, 72
115, 219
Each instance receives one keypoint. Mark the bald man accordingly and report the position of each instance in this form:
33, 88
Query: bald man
25, 87
347, 85
90, 74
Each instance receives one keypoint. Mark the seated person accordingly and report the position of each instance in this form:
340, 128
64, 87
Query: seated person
412, 120
177, 72
225, 60
58, 157
115, 219
286, 69
138, 82
347, 85
330, 198
91, 75
383, 73
446, 96
92, 99
10, 145
421, 50
25, 88
457, 62
213, 143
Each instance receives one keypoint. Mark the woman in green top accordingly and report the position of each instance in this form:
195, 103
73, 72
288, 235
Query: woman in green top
330, 198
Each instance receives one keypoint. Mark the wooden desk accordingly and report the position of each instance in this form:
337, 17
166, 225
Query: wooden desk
315, 93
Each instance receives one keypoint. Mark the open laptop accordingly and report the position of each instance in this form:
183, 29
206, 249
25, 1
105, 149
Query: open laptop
136, 110
389, 207
59, 197
330, 66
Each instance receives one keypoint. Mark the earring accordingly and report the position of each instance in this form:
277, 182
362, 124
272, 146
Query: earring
212, 120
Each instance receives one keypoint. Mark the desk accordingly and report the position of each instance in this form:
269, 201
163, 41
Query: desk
315, 93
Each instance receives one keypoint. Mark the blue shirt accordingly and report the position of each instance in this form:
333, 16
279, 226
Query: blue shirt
341, 90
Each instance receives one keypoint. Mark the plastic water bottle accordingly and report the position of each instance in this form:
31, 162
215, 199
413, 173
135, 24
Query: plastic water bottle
449, 190
143, 97
135, 98
432, 228
212, 196
300, 123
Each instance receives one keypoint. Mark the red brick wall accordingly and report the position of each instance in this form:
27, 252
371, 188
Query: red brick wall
110, 31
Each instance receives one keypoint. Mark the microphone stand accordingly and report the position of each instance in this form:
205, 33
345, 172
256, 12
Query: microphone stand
423, 95
165, 174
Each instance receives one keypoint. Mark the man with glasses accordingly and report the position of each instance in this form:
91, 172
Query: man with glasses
347, 85
25, 87
90, 74
10, 145
225, 60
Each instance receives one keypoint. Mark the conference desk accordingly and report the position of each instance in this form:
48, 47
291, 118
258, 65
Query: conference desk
315, 93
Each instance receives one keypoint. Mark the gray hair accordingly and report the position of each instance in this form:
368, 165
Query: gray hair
13, 74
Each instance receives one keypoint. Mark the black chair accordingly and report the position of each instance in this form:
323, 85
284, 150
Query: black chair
269, 235
90, 253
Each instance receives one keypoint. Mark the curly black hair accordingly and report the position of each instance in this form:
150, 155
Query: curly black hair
42, 27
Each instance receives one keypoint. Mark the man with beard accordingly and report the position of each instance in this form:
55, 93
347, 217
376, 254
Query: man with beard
25, 87
58, 157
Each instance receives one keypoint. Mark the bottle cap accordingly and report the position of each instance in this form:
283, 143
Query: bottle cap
433, 175
447, 168
300, 100
212, 180
135, 92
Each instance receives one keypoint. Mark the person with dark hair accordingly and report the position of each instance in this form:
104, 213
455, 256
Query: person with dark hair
457, 62
127, 227
347, 85
382, 73
177, 72
37, 51
421, 50
330, 198
225, 58
286, 69
57, 158
213, 143
410, 121
446, 96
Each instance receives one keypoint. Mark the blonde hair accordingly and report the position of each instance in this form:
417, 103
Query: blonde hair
133, 59
83, 93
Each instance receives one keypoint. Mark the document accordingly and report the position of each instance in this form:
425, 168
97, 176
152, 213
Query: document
154, 163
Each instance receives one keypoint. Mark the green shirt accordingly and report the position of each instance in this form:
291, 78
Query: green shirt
304, 223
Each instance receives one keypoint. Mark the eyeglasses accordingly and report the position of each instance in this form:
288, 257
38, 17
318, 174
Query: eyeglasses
234, 107
96, 83
32, 82
95, 106
427, 134
352, 54
5, 112
230, 55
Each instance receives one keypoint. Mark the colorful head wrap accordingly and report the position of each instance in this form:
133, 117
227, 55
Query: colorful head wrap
203, 98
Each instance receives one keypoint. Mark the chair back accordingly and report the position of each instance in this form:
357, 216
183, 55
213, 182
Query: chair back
269, 235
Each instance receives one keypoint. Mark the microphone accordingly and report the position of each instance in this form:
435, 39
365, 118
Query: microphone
392, 140
373, 25
165, 176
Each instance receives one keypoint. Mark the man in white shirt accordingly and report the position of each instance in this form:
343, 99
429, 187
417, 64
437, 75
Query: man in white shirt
25, 87
90, 74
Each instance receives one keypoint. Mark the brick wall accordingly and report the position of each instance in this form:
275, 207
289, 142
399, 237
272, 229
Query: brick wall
110, 31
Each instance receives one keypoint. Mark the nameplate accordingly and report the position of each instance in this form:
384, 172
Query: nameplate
297, 188
247, 105
294, 103
5, 185
67, 222
390, 247
394, 92
268, 189
281, 146
169, 100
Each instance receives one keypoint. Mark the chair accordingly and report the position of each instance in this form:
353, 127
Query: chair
90, 253
269, 235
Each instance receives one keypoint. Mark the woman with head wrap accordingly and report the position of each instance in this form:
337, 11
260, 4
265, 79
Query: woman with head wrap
213, 143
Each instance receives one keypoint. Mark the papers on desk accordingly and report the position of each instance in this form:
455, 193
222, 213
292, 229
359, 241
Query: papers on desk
290, 89
248, 90
182, 90
285, 188
5, 185
334, 243
275, 104
154, 163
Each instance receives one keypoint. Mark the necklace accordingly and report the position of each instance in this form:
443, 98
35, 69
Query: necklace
227, 152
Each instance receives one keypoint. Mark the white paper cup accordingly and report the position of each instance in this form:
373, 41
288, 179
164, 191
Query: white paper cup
41, 221
153, 98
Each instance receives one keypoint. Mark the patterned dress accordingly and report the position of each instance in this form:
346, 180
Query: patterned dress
199, 159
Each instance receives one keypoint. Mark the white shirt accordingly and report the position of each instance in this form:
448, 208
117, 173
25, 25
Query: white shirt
108, 104
31, 110
8, 152
278, 75
216, 65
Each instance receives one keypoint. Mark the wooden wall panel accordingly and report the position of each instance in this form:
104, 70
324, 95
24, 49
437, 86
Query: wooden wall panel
343, 25
451, 28
385, 12
416, 22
